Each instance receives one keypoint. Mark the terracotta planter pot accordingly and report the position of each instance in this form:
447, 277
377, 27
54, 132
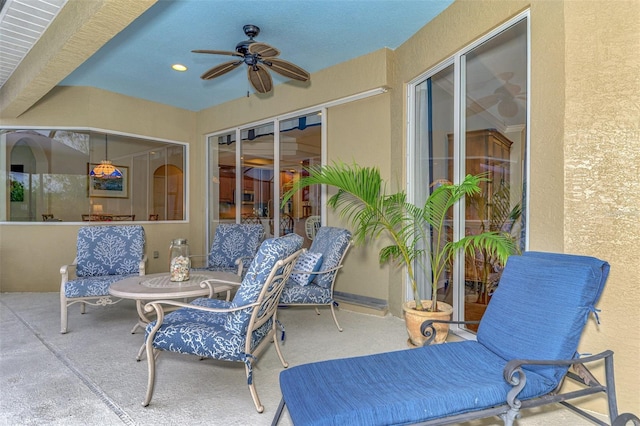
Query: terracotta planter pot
414, 320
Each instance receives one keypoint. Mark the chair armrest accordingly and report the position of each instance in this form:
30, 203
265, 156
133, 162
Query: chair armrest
326, 271
65, 269
429, 331
156, 306
142, 266
514, 375
512, 369
240, 263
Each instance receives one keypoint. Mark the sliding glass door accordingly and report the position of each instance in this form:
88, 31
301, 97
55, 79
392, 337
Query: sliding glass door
247, 179
470, 117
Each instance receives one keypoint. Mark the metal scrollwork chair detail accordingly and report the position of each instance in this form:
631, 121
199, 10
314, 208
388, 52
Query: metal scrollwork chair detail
526, 342
233, 248
311, 226
314, 276
105, 254
230, 331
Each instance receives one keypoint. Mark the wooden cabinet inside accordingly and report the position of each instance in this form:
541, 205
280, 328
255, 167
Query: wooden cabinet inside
487, 151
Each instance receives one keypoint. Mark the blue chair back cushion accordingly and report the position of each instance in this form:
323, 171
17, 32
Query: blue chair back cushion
419, 384
271, 251
232, 241
109, 250
541, 305
331, 243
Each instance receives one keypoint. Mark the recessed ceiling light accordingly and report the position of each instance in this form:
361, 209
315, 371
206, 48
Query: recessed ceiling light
179, 67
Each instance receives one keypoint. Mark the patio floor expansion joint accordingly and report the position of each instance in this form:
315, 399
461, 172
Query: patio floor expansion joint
95, 389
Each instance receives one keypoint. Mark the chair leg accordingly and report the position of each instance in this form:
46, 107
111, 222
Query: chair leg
83, 307
63, 314
333, 312
284, 363
254, 393
276, 417
151, 360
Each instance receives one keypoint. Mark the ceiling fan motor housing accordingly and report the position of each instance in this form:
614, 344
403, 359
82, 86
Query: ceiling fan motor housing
251, 31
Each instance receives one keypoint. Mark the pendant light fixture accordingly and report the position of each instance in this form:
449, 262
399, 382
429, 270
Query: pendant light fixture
106, 170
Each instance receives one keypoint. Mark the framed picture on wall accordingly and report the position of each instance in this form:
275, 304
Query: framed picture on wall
109, 187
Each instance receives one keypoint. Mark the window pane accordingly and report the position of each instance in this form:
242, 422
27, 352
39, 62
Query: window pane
494, 144
256, 201
434, 109
300, 143
49, 177
492, 116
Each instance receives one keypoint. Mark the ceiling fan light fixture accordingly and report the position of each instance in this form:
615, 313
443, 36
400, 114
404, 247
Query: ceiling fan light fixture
179, 67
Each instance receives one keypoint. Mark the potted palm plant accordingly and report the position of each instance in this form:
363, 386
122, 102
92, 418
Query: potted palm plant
363, 201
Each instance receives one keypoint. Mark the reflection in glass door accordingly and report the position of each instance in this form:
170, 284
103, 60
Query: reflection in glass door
484, 132
255, 186
247, 179
300, 147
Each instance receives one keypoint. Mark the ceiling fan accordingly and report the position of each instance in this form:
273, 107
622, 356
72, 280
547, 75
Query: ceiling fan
504, 96
259, 57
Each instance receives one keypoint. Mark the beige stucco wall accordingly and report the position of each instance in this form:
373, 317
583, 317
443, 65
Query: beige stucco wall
602, 171
31, 254
585, 144
584, 154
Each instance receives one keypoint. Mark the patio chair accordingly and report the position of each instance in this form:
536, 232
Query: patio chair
233, 248
314, 276
105, 254
230, 331
526, 342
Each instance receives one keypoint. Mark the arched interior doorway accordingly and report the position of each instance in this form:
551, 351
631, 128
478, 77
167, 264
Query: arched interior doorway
168, 190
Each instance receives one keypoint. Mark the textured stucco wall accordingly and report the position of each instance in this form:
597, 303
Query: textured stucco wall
602, 171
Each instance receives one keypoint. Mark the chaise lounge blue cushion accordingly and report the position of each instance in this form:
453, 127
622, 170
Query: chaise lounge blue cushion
538, 312
400, 387
541, 305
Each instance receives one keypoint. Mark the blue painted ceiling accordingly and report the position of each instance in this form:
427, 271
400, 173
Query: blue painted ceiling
310, 33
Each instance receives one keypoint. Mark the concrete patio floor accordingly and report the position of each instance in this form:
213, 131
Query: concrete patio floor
89, 376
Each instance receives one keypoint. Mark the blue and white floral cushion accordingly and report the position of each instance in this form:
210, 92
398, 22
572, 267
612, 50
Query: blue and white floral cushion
231, 242
105, 254
270, 252
331, 242
222, 335
308, 262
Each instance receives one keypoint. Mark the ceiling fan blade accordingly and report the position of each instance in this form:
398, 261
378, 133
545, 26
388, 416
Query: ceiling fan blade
260, 78
287, 69
218, 70
218, 52
263, 49
482, 104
